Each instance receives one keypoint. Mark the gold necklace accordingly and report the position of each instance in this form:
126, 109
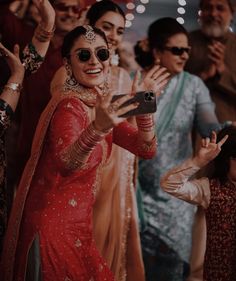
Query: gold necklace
87, 95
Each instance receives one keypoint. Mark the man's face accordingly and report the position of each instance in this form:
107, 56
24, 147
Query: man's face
215, 17
67, 14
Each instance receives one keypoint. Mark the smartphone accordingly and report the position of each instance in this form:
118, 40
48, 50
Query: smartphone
146, 100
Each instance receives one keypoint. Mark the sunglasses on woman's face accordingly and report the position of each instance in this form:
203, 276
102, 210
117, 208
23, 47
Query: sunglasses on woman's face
84, 55
64, 8
177, 51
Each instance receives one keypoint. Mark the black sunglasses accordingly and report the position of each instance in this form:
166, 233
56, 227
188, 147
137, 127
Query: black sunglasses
64, 8
85, 54
177, 51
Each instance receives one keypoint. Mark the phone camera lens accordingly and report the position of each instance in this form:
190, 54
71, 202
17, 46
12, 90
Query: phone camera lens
149, 96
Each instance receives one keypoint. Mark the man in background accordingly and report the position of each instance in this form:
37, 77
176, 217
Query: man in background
213, 54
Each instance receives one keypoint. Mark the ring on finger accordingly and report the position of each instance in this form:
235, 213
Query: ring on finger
112, 108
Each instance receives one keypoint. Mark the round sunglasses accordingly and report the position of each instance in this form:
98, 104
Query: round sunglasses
177, 51
84, 55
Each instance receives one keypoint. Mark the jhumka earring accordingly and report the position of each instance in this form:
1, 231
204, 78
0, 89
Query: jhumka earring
90, 35
70, 83
105, 89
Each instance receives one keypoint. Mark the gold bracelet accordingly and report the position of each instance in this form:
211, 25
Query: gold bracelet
14, 87
43, 35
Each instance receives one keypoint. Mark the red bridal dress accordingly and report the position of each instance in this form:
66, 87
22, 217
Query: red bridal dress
51, 219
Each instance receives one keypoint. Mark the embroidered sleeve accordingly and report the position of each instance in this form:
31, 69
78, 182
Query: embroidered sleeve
78, 153
72, 138
177, 183
6, 114
31, 59
126, 136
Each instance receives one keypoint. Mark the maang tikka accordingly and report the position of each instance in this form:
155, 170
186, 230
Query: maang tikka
90, 35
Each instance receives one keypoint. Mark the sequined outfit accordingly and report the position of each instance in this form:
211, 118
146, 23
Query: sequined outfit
32, 61
5, 117
54, 204
219, 203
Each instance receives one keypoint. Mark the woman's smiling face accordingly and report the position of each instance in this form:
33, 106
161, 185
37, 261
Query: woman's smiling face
89, 69
113, 25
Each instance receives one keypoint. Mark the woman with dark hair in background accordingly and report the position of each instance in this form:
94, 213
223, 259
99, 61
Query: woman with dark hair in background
185, 104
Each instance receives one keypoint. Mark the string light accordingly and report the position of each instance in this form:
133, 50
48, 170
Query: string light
180, 20
128, 23
181, 11
130, 6
140, 9
182, 2
138, 6
129, 16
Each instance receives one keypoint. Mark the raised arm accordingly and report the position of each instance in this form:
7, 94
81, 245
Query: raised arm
11, 91
45, 29
177, 181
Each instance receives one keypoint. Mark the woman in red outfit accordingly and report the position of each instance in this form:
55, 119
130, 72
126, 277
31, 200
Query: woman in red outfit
52, 212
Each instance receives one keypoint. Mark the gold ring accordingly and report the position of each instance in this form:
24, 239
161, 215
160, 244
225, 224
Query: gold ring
112, 108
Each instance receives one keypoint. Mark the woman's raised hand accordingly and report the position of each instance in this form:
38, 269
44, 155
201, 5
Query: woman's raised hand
46, 12
209, 150
108, 113
14, 63
154, 80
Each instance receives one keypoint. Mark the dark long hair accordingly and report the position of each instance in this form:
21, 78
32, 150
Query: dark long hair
98, 9
73, 35
159, 33
228, 150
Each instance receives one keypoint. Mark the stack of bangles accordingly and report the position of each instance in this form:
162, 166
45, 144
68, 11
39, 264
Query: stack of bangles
13, 87
145, 123
43, 35
81, 149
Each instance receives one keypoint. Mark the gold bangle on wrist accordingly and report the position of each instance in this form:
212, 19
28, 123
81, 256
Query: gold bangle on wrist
43, 35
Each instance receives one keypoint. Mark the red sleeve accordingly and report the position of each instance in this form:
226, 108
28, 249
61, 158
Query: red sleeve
126, 136
68, 122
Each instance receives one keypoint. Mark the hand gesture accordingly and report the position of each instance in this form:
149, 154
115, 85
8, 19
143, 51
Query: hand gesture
46, 12
155, 80
108, 113
14, 63
209, 150
217, 55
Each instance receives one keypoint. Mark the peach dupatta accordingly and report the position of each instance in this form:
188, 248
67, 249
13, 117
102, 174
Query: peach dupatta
115, 212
